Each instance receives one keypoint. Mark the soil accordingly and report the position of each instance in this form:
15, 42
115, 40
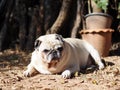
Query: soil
13, 63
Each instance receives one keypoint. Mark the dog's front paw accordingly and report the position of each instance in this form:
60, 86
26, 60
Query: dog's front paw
101, 66
26, 73
66, 74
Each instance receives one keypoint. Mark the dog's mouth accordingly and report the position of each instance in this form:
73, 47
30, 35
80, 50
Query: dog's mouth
53, 63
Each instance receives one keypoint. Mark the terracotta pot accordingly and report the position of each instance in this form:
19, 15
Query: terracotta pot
100, 39
98, 21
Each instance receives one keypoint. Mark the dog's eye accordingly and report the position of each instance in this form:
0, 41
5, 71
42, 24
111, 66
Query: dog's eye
60, 49
45, 51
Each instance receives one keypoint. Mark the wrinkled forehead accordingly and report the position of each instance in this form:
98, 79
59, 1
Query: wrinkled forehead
47, 37
51, 44
50, 41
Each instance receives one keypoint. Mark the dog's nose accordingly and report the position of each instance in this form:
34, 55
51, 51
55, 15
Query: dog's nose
55, 53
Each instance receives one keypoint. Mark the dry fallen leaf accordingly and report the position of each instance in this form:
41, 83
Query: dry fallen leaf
76, 74
116, 71
19, 78
62, 81
95, 82
113, 83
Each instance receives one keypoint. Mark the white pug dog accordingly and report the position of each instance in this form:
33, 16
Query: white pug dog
54, 54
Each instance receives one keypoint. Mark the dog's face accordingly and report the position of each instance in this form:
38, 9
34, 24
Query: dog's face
50, 47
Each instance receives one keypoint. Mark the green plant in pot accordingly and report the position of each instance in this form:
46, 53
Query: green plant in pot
98, 30
100, 19
102, 4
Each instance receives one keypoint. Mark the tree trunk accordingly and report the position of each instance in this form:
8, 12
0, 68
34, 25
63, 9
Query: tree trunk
56, 27
84, 10
32, 31
7, 7
77, 21
23, 27
52, 8
39, 19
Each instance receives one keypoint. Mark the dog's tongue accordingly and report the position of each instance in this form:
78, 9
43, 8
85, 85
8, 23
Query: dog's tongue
52, 67
52, 64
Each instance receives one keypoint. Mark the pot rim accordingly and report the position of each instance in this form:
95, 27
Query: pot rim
96, 31
99, 14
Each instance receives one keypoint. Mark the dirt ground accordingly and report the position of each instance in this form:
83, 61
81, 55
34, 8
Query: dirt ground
13, 63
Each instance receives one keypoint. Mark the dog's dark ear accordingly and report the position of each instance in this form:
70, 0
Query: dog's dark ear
59, 37
37, 43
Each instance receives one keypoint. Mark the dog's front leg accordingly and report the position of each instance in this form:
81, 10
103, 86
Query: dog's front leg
30, 70
67, 73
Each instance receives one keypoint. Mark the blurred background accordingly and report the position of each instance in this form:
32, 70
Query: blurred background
22, 21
